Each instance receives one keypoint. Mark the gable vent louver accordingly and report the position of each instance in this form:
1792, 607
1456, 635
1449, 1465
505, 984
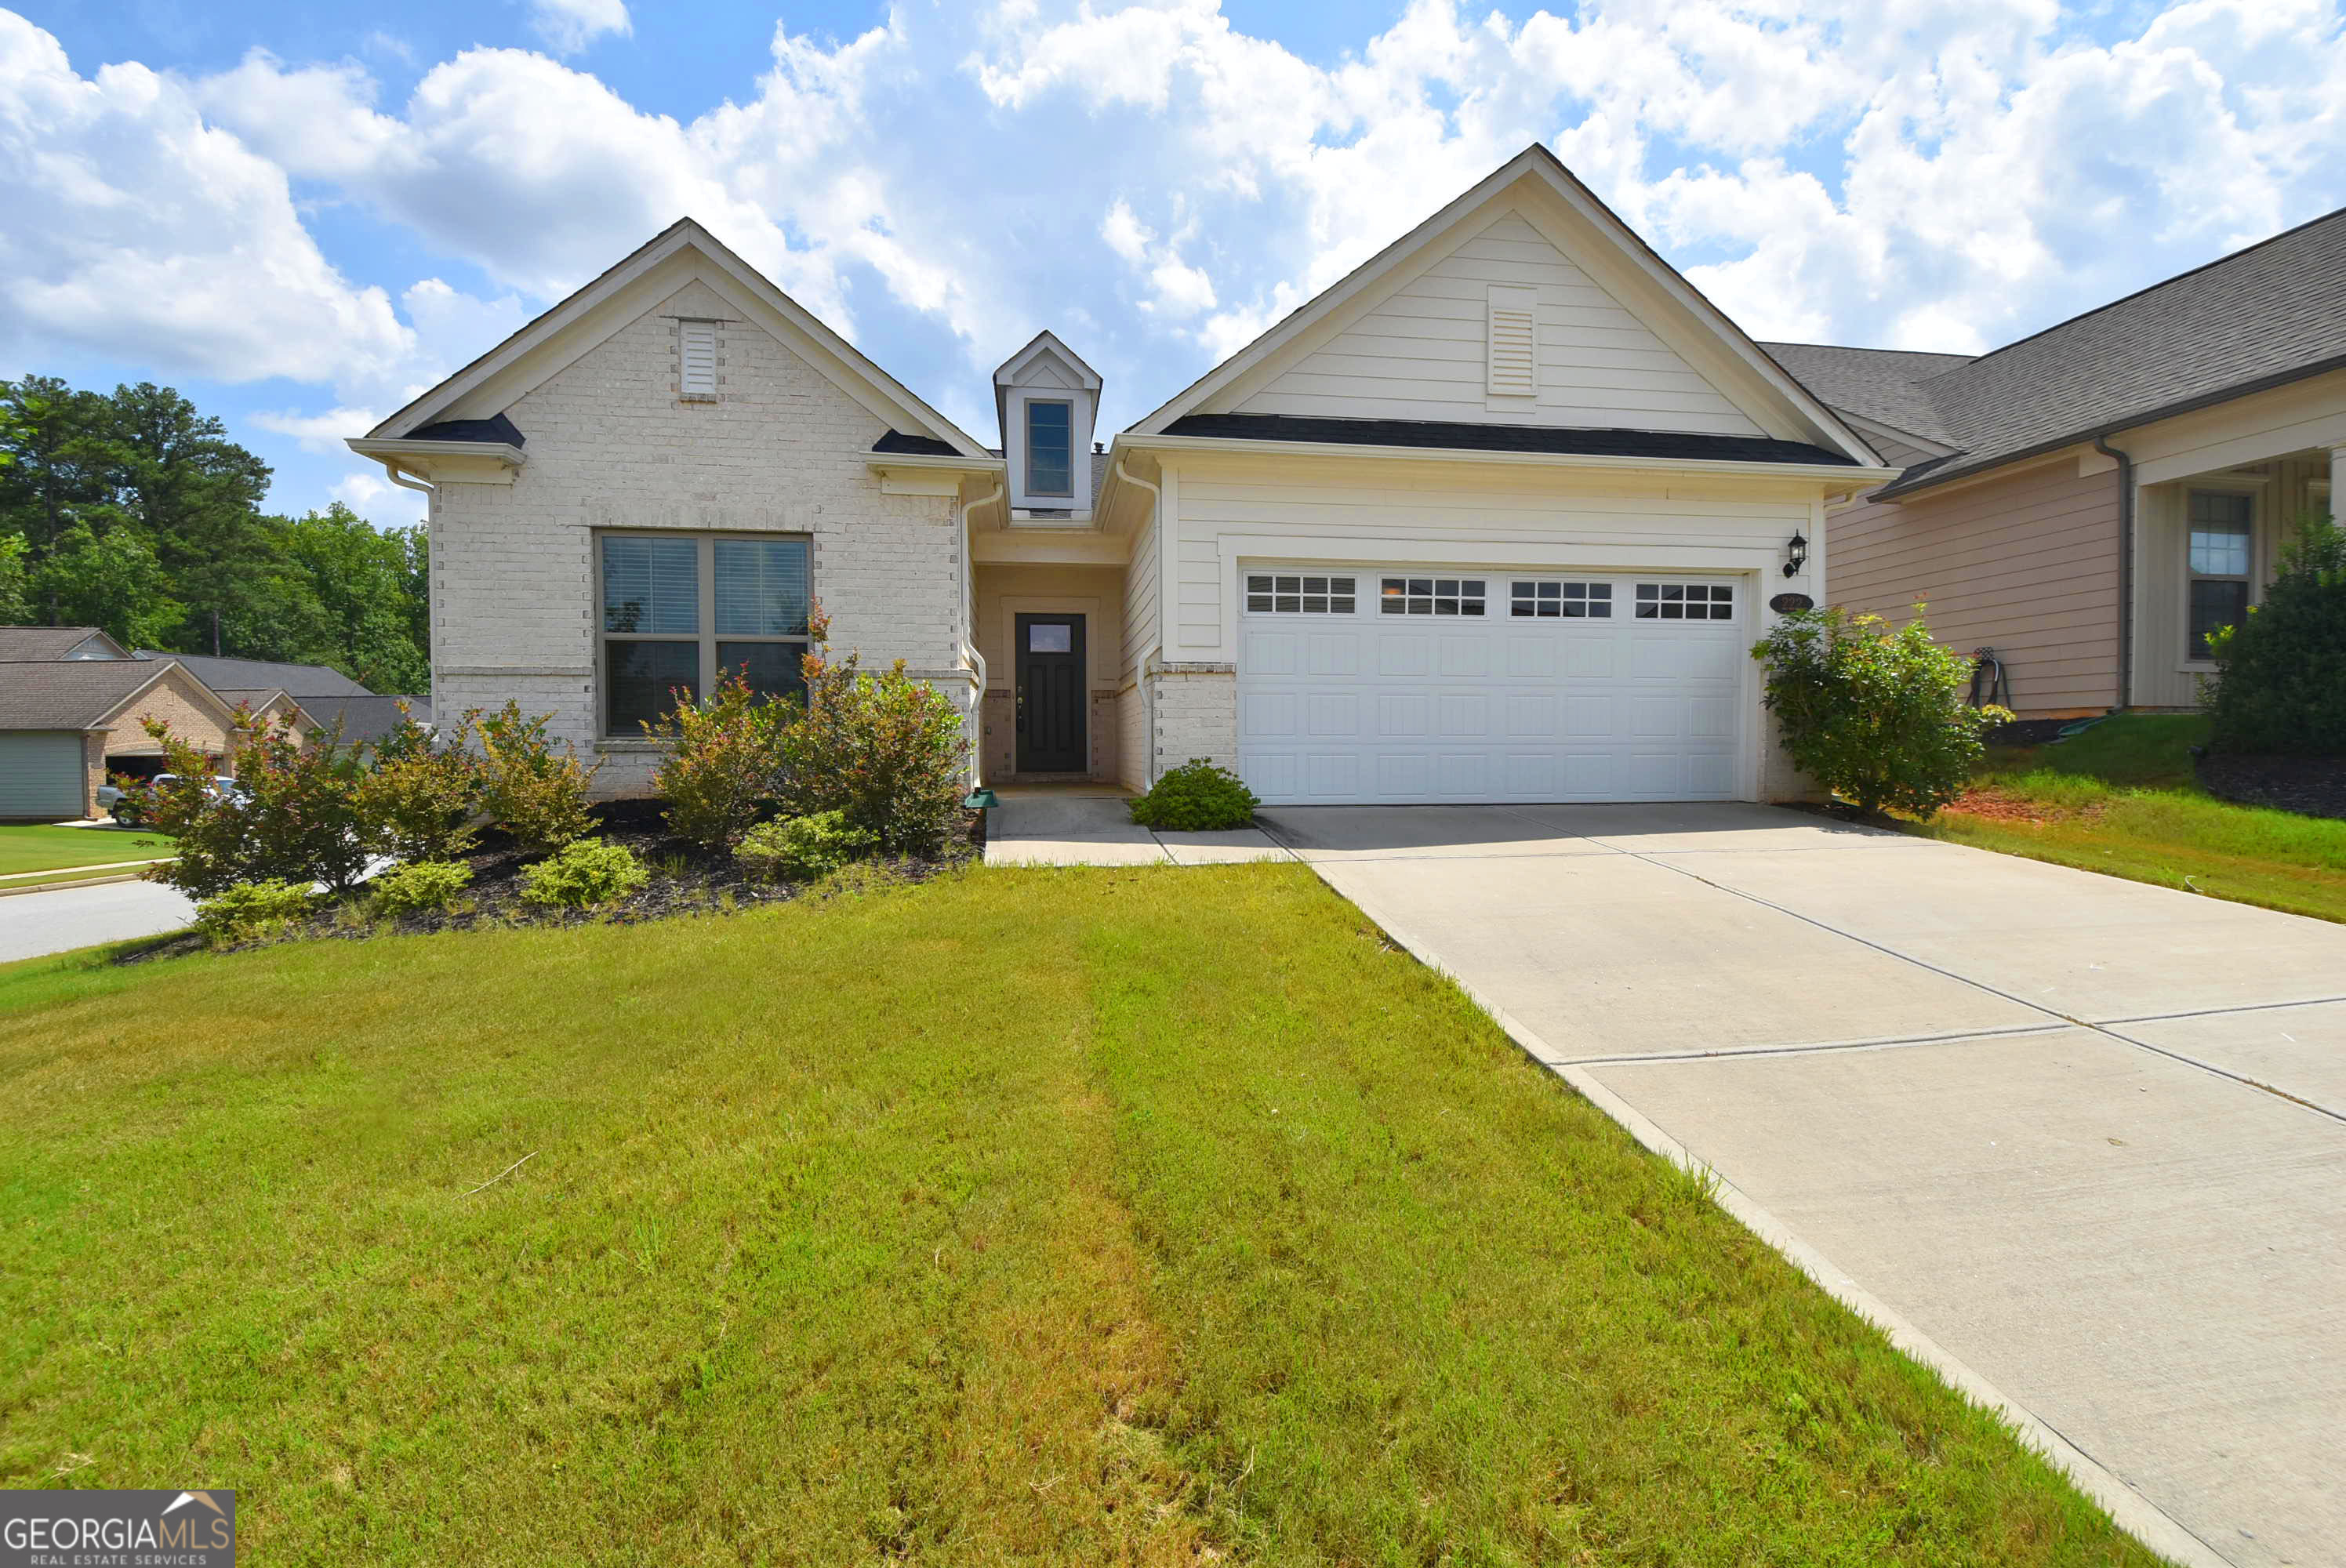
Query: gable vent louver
1513, 341
699, 346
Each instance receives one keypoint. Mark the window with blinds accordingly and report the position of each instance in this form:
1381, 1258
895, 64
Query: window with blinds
1511, 339
697, 342
682, 611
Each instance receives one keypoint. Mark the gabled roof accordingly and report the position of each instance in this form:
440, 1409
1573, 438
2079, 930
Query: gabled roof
1042, 345
57, 643
1795, 412
560, 335
296, 681
83, 693
2262, 316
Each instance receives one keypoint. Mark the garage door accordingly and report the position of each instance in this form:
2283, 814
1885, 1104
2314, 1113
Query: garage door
40, 775
1364, 683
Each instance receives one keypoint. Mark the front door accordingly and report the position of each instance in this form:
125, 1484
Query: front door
1050, 677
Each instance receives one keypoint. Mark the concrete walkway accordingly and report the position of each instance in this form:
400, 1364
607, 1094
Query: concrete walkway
1047, 826
2079, 1142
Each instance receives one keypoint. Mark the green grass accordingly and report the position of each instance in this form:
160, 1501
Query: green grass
38, 848
2121, 797
1142, 1216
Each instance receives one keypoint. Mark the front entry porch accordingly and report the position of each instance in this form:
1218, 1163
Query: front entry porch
1053, 639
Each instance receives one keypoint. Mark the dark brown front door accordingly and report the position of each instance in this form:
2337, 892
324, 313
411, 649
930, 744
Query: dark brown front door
1050, 676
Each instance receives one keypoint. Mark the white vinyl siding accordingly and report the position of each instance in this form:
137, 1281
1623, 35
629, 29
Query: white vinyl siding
697, 348
41, 775
1422, 353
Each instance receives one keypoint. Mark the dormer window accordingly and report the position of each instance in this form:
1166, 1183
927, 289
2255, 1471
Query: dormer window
1050, 448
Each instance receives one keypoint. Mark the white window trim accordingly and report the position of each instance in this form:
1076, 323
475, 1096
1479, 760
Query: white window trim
2251, 486
692, 332
706, 616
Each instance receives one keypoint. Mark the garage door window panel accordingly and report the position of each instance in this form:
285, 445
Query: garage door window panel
1547, 601
1685, 602
1300, 594
1431, 595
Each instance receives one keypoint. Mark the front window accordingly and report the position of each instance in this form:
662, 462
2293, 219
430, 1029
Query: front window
678, 608
1050, 449
2221, 553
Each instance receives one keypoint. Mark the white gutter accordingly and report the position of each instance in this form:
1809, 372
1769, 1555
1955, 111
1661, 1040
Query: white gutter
880, 462
1846, 474
382, 450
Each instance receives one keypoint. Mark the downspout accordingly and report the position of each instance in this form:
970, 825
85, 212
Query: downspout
391, 471
2125, 570
975, 661
1148, 704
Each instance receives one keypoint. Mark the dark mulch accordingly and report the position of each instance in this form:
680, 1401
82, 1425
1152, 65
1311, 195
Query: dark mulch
2309, 786
2026, 731
685, 879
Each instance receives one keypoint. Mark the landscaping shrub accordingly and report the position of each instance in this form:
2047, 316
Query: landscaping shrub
1197, 797
527, 787
584, 873
1875, 716
723, 759
247, 912
420, 799
293, 817
886, 751
420, 885
2280, 686
803, 847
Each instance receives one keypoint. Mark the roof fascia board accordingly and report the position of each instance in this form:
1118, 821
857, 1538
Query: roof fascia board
512, 457
1837, 473
2131, 421
880, 462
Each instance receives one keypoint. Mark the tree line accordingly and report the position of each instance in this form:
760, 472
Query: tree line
132, 510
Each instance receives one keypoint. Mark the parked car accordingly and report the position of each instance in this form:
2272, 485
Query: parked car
128, 807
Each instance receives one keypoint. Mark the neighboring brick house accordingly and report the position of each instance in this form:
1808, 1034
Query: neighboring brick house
1495, 518
2091, 502
74, 702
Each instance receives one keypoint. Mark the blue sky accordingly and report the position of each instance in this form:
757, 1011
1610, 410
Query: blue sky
302, 215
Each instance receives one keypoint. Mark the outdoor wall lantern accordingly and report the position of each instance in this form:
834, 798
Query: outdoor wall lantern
1798, 550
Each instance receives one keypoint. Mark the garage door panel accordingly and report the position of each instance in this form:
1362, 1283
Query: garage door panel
1560, 704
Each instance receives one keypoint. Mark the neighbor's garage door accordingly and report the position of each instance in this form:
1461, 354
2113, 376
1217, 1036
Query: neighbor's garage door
40, 775
1360, 683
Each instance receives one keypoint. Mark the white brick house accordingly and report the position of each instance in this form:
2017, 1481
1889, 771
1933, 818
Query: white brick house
1496, 518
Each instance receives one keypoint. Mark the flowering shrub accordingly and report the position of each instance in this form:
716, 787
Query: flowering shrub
721, 767
537, 795
584, 873
293, 816
803, 847
247, 912
420, 799
887, 752
1873, 715
1195, 797
420, 885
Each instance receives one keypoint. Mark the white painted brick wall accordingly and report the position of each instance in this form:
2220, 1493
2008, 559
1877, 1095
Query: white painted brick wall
610, 445
1196, 715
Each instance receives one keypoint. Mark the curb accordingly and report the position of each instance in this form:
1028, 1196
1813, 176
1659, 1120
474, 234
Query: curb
2130, 1510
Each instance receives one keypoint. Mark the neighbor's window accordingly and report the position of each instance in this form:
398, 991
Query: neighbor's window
1281, 594
1431, 596
679, 607
2220, 556
1561, 601
1050, 449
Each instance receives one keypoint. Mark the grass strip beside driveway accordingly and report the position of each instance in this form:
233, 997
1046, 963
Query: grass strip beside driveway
1071, 1216
2121, 798
39, 847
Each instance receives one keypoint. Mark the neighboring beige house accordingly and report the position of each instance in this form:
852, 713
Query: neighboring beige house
74, 704
1497, 517
2154, 454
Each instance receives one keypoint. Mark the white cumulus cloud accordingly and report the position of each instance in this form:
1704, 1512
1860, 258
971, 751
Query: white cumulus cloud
569, 26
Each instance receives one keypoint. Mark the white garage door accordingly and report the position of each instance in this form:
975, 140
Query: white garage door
1365, 684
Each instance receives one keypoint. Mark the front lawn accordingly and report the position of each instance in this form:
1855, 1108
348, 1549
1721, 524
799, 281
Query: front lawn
2121, 797
40, 847
1147, 1216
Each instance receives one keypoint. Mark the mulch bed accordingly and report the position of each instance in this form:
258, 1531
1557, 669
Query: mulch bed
686, 879
2309, 786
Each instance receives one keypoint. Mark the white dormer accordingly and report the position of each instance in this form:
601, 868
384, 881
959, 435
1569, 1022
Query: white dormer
1048, 399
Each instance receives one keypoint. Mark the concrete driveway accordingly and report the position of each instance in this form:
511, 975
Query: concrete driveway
32, 924
2079, 1141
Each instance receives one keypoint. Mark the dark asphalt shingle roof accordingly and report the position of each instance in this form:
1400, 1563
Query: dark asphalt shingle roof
2271, 314
42, 642
296, 681
903, 445
495, 429
1461, 436
69, 694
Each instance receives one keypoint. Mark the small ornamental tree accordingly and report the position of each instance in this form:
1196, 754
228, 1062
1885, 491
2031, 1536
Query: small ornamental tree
1875, 716
723, 757
887, 752
532, 792
420, 799
2280, 686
